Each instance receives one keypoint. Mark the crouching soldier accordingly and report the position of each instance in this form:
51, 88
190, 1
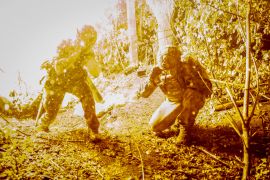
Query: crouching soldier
68, 73
186, 87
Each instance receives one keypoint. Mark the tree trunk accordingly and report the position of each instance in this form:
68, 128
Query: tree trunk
246, 123
131, 16
163, 11
245, 137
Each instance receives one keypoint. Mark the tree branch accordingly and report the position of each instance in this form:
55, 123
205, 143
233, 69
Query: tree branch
231, 122
212, 155
141, 160
257, 93
4, 118
228, 12
227, 83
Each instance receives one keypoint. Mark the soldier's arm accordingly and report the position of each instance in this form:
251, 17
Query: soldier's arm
61, 64
150, 86
91, 65
96, 94
197, 78
147, 90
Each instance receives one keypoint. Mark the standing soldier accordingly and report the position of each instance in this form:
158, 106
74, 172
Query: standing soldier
68, 73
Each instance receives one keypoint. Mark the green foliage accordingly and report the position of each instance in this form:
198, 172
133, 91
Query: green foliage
112, 51
146, 33
262, 170
15, 154
113, 46
215, 34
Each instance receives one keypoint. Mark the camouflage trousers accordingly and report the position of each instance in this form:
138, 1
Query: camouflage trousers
53, 97
184, 112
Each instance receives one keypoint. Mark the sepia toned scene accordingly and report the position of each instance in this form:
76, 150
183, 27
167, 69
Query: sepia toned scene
135, 89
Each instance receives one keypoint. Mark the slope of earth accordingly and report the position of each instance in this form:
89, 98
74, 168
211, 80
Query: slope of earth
128, 149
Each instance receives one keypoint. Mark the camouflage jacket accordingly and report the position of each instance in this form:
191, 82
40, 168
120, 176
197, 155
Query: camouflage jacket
195, 76
66, 71
187, 74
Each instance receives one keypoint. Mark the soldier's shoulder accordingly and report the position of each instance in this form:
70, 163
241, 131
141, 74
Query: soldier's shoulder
192, 61
189, 59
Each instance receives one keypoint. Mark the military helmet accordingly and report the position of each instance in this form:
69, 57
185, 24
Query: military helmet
169, 57
87, 34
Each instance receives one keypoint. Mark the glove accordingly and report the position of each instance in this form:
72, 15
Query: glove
156, 71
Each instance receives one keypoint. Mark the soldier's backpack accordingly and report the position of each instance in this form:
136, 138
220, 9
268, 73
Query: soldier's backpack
195, 76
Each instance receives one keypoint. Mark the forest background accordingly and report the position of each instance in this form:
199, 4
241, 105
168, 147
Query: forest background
211, 31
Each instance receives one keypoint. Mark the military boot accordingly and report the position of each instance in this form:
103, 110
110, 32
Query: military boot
183, 135
94, 136
43, 127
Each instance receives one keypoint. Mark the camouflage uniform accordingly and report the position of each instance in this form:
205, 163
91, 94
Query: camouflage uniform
70, 78
185, 85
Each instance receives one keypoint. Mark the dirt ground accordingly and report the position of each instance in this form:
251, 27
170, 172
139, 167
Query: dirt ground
128, 149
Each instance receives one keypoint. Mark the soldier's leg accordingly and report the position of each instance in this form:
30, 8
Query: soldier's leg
52, 102
164, 116
83, 92
193, 101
